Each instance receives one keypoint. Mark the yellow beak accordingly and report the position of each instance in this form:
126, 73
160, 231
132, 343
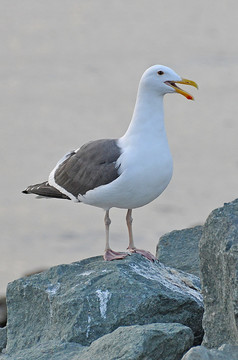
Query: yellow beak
180, 91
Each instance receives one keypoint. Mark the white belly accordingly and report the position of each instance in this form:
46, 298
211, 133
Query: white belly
145, 173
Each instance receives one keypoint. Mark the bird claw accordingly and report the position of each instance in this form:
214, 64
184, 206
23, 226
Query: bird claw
144, 253
110, 255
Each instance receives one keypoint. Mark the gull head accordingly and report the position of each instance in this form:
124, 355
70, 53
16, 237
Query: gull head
163, 80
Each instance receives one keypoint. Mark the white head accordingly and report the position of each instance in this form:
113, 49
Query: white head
162, 80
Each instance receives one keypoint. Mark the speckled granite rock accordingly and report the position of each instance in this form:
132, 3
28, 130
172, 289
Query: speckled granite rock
50, 350
225, 352
83, 301
179, 249
151, 342
219, 276
3, 338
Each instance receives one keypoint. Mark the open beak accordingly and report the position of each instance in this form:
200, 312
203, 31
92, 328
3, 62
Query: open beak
180, 91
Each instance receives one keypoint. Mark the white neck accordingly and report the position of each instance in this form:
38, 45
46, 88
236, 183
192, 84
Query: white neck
148, 116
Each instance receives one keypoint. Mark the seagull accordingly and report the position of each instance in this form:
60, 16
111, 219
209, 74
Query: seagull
128, 172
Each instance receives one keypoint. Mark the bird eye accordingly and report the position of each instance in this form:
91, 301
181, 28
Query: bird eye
160, 72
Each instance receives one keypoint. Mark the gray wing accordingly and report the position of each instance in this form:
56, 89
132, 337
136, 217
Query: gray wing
94, 164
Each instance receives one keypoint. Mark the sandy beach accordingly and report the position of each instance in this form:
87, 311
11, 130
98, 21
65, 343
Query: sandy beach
69, 74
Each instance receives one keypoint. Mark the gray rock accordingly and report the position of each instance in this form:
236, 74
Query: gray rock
3, 338
219, 276
85, 300
3, 305
225, 352
50, 350
179, 249
151, 342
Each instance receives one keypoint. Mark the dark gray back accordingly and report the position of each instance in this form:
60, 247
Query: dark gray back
94, 164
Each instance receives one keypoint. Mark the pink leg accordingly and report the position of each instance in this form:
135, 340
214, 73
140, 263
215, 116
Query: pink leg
131, 246
109, 254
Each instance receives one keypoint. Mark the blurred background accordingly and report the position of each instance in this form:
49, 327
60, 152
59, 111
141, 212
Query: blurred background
69, 72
